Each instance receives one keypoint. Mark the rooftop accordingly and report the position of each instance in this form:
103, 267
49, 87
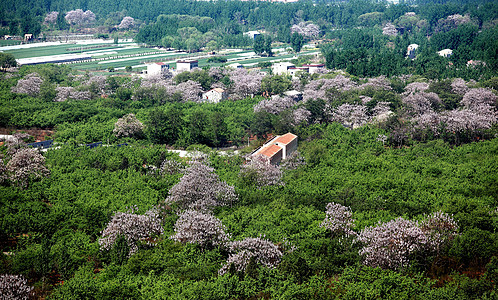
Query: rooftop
285, 139
270, 150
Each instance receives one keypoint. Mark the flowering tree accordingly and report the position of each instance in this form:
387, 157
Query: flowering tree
200, 228
416, 87
309, 30
300, 115
127, 22
377, 83
191, 90
200, 188
133, 227
4, 176
79, 17
14, 287
264, 252
97, 84
25, 165
440, 228
339, 219
420, 103
350, 115
128, 126
16, 143
51, 17
245, 83
261, 173
389, 245
274, 105
389, 29
477, 97
30, 85
169, 166
459, 86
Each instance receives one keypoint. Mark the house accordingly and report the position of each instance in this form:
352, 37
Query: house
293, 71
156, 68
186, 65
294, 95
411, 50
28, 37
312, 69
215, 95
446, 53
282, 67
235, 66
252, 34
278, 148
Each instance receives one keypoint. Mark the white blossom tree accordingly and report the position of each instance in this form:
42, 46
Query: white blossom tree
128, 126
350, 115
51, 17
459, 86
30, 85
339, 219
134, 228
245, 83
126, 23
416, 87
389, 29
264, 252
14, 287
274, 105
80, 17
261, 173
306, 29
474, 98
27, 164
200, 228
190, 90
201, 189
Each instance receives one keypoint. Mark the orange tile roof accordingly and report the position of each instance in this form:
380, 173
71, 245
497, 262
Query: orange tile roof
285, 139
270, 150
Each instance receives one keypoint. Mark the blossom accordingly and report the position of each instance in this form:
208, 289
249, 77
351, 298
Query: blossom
350, 115
30, 85
274, 105
79, 17
200, 228
128, 126
14, 287
306, 29
261, 173
51, 17
126, 23
389, 29
339, 219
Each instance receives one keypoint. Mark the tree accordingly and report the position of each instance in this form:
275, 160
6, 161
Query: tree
134, 228
259, 44
164, 127
276, 84
308, 30
339, 219
30, 85
51, 17
14, 287
128, 69
261, 173
260, 249
201, 189
7, 60
126, 23
274, 105
128, 126
200, 228
27, 164
79, 17
267, 48
297, 42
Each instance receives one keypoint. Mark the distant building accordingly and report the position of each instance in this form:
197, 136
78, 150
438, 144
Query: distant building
282, 67
295, 95
156, 68
186, 65
446, 53
252, 34
235, 66
28, 37
293, 71
278, 148
215, 95
411, 51
314, 68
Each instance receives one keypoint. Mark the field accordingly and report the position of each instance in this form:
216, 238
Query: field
106, 55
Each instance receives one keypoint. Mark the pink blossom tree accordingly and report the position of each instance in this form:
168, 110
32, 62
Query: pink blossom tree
14, 287
339, 219
293, 161
300, 116
201, 189
16, 143
190, 90
128, 126
261, 173
477, 97
200, 228
377, 83
416, 87
389, 29
440, 228
51, 17
30, 85
350, 115
134, 228
459, 86
27, 164
306, 29
420, 103
264, 252
80, 17
245, 83
169, 166
274, 105
126, 23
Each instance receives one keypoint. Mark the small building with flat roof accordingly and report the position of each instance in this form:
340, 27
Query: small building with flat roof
186, 65
215, 95
278, 148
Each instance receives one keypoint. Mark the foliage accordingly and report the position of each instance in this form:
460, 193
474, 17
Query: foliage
128, 126
200, 228
26, 165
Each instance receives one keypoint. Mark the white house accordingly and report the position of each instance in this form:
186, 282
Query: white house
446, 53
278, 148
252, 34
186, 65
215, 95
156, 68
410, 51
282, 67
235, 66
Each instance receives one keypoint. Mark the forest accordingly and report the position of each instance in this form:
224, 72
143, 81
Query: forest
391, 194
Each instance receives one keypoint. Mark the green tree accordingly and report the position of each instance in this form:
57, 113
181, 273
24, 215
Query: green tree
259, 44
297, 42
7, 60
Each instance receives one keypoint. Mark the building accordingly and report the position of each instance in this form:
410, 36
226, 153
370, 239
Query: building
293, 71
446, 53
282, 67
252, 34
156, 68
278, 148
312, 69
411, 51
215, 95
28, 37
186, 65
294, 95
235, 66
